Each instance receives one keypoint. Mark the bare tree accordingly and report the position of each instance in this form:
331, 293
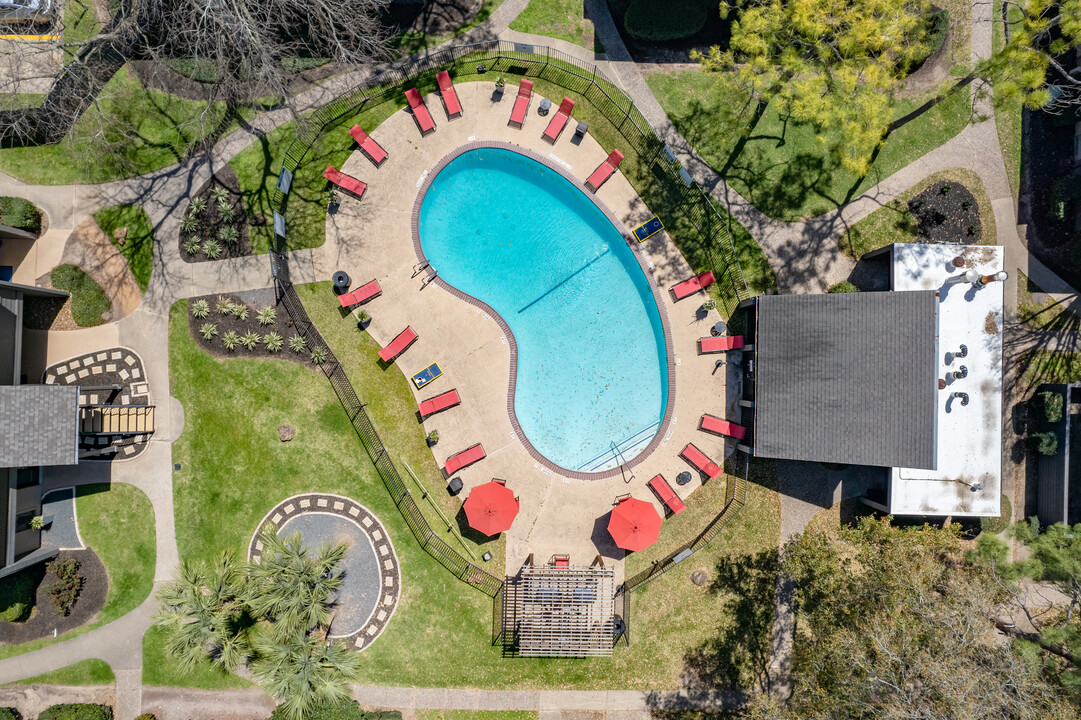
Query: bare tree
249, 44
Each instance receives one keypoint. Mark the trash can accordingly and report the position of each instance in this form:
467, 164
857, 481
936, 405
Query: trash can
341, 281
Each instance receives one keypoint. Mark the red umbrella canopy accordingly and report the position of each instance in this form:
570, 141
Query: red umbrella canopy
634, 525
491, 508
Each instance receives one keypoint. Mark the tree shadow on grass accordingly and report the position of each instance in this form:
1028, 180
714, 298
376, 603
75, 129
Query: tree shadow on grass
739, 655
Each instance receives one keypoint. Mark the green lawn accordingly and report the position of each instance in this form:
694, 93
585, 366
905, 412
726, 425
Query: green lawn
138, 247
223, 491
85, 672
1008, 114
258, 165
780, 166
79, 26
477, 715
160, 670
18, 594
117, 522
88, 300
1051, 366
129, 132
562, 19
1050, 314
895, 223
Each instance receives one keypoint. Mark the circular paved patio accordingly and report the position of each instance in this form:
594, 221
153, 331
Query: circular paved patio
368, 595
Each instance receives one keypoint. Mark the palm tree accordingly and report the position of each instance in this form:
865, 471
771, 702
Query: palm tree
292, 584
204, 614
303, 671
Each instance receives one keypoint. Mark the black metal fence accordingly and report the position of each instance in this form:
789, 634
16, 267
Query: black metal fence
735, 497
428, 539
684, 207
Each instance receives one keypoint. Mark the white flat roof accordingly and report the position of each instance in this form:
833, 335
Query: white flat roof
969, 437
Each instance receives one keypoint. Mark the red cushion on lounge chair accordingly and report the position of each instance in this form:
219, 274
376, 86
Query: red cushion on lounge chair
450, 98
693, 285
345, 182
722, 427
464, 458
667, 494
521, 103
370, 147
698, 458
556, 125
398, 345
439, 403
420, 111
720, 343
604, 170
364, 293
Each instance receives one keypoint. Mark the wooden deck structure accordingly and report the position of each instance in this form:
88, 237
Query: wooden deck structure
560, 612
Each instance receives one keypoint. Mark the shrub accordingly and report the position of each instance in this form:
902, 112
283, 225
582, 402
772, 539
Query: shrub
189, 223
843, 287
346, 710
319, 355
228, 235
658, 21
197, 206
208, 331
88, 300
200, 308
14, 613
192, 245
267, 315
273, 341
219, 193
212, 248
223, 305
7, 713
364, 317
64, 584
77, 712
240, 311
1051, 402
296, 343
21, 214
1046, 443
146, 716
250, 339
230, 340
433, 437
37, 522
226, 212
995, 525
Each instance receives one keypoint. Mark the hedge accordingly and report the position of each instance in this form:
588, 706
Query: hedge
7, 713
20, 214
77, 712
843, 287
348, 710
659, 21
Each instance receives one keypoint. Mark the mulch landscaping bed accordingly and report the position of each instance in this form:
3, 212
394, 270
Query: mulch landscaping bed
255, 300
947, 212
44, 619
211, 222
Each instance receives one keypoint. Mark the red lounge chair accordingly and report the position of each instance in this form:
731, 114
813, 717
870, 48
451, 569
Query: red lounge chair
604, 170
420, 111
362, 294
450, 98
693, 285
667, 494
561, 562
345, 182
521, 103
720, 343
370, 147
439, 403
556, 125
464, 459
722, 427
698, 458
398, 345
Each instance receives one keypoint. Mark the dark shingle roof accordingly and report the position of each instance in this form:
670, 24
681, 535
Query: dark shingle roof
847, 378
39, 425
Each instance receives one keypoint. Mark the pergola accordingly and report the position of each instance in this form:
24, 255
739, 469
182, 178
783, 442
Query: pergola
561, 612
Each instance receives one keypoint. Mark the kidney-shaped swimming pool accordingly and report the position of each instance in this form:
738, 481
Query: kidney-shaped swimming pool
592, 363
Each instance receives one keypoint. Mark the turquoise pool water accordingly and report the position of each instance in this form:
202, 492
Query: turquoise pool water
592, 363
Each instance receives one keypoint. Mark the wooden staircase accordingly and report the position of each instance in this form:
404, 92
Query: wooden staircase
116, 419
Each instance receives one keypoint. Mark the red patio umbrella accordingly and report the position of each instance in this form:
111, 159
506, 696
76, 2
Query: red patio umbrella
634, 525
491, 507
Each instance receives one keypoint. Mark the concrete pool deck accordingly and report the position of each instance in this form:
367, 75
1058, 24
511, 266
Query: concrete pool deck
372, 238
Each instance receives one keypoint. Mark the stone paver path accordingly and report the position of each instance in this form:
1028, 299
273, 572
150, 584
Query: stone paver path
90, 249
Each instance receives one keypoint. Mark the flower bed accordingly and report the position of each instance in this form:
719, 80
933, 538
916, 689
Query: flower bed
215, 225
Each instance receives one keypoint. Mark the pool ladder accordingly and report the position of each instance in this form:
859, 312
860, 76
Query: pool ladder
618, 455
